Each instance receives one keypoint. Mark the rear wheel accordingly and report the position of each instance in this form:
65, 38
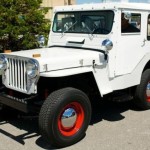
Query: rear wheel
142, 94
64, 117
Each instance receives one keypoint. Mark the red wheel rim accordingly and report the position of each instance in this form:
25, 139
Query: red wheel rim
148, 92
77, 112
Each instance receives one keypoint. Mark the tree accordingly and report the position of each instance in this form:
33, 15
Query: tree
21, 21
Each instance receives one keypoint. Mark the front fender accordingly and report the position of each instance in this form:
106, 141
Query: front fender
100, 75
66, 72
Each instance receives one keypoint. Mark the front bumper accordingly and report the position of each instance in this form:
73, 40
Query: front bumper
22, 104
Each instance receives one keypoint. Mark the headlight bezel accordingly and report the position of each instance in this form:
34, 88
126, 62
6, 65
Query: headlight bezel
32, 68
4, 63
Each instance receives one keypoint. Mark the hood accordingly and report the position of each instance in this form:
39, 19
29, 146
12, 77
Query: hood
56, 58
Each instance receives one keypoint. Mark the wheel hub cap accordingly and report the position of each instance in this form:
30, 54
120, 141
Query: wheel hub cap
68, 118
71, 119
148, 92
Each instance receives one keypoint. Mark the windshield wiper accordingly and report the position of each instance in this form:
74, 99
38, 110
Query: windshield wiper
86, 26
69, 28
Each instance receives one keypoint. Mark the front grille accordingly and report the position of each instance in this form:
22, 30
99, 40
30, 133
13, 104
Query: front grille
17, 76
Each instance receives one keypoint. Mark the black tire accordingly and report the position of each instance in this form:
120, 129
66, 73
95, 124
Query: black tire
50, 117
142, 99
1, 107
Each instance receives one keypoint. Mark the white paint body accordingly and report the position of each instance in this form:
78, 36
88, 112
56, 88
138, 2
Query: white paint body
126, 60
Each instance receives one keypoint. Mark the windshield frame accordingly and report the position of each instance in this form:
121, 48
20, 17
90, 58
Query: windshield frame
80, 14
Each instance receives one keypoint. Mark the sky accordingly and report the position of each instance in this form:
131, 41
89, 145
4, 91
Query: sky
98, 1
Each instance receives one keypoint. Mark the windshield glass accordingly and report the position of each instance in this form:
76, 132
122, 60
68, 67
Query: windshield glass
93, 22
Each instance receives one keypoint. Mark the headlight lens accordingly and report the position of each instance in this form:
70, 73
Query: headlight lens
3, 62
32, 68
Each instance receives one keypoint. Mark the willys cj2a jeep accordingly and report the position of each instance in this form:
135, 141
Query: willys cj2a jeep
88, 53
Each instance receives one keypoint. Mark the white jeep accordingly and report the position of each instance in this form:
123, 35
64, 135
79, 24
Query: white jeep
89, 52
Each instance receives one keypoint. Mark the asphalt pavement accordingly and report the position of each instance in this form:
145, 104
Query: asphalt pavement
113, 127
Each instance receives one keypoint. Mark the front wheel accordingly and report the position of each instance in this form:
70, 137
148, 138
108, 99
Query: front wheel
64, 117
142, 94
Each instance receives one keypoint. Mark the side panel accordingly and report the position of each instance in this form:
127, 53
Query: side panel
130, 79
131, 48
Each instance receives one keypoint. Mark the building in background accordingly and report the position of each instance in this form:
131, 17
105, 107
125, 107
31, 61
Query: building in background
132, 1
52, 3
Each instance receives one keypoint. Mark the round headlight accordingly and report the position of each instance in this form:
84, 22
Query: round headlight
32, 68
3, 62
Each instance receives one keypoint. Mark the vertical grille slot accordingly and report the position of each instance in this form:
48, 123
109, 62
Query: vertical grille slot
17, 74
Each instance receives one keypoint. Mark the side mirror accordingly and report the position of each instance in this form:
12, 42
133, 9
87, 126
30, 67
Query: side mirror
107, 45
